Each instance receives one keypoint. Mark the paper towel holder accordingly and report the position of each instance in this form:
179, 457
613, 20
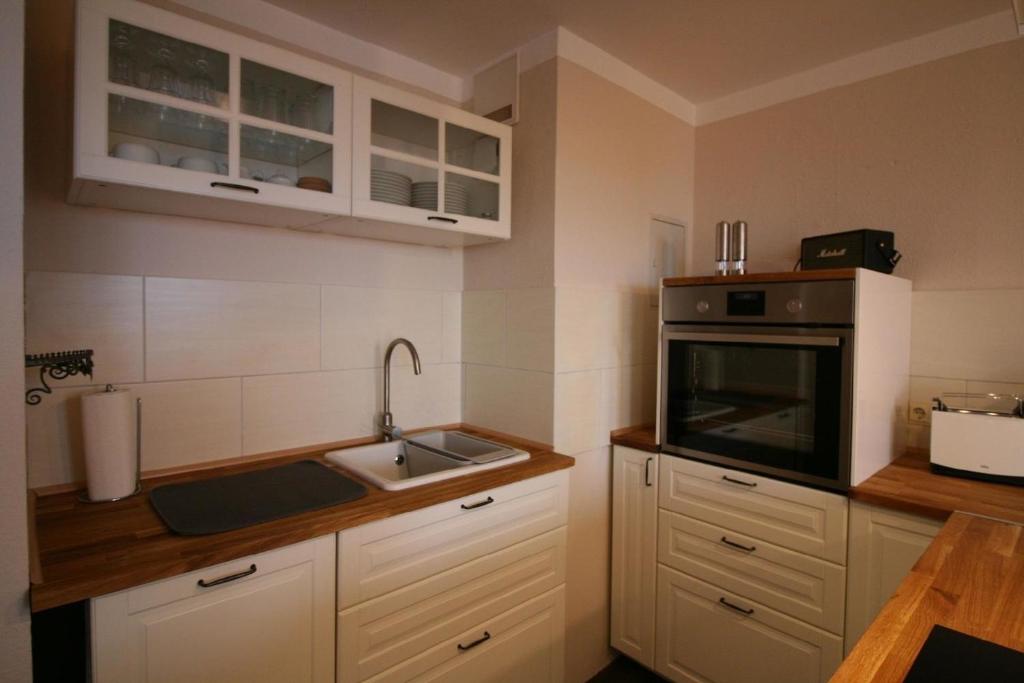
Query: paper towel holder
83, 497
58, 365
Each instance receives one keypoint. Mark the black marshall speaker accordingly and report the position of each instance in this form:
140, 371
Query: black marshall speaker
872, 249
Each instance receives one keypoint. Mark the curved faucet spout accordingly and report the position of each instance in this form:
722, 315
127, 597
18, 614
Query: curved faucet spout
386, 423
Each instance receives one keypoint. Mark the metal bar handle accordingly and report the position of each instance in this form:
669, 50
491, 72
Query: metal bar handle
442, 218
235, 186
734, 544
474, 506
225, 579
647, 471
728, 604
748, 484
484, 639
779, 339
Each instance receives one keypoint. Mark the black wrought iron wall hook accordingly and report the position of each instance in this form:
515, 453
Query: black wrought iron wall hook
58, 366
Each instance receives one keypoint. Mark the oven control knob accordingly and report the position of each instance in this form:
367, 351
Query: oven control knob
794, 305
703, 306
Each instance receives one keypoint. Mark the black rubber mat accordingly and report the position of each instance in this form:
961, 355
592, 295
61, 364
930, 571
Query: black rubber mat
210, 506
949, 656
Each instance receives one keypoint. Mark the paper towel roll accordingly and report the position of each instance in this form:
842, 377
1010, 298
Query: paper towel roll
108, 427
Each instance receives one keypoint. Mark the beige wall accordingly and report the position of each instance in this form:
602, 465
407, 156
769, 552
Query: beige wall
558, 328
620, 161
508, 333
932, 152
15, 646
240, 339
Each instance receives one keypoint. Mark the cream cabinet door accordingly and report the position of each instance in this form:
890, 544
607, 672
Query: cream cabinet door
884, 545
270, 619
634, 552
706, 634
174, 116
418, 162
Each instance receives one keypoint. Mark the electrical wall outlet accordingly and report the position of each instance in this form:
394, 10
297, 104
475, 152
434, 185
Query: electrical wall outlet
920, 413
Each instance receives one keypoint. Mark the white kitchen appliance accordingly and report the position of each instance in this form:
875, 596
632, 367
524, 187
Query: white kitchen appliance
983, 439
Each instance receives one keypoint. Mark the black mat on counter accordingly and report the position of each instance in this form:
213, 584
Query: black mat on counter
949, 656
210, 506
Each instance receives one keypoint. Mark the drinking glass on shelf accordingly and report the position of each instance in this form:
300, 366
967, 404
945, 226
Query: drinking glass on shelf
272, 103
162, 77
302, 112
122, 65
201, 85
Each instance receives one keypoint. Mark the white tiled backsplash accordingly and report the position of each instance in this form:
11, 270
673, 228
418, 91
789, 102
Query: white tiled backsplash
963, 342
559, 365
232, 368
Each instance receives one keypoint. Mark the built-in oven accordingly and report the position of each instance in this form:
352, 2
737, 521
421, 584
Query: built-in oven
759, 377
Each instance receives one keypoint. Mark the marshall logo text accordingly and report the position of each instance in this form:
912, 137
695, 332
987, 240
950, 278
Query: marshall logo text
832, 253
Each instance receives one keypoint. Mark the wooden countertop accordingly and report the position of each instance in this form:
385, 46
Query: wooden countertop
969, 579
750, 278
87, 550
908, 484
641, 438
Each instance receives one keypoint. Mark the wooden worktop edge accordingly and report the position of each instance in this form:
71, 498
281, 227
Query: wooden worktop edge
751, 278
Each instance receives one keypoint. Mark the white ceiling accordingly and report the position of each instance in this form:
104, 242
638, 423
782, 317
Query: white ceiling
700, 49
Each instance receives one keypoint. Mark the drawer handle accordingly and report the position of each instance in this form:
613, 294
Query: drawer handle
235, 186
474, 506
486, 637
225, 579
750, 484
734, 544
728, 604
445, 219
647, 471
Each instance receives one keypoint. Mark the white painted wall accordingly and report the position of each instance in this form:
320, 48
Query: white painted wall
15, 643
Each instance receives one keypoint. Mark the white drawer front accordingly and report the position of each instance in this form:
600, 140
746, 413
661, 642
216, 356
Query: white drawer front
792, 516
799, 585
700, 639
380, 633
523, 645
379, 557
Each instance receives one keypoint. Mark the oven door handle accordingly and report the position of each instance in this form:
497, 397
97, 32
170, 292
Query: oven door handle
787, 340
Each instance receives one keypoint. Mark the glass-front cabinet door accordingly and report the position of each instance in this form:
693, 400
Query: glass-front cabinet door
420, 162
167, 103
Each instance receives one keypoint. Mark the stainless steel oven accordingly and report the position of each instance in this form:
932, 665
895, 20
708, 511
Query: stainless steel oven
759, 377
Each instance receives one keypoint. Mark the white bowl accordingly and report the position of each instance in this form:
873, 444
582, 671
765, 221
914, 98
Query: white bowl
133, 151
197, 164
281, 180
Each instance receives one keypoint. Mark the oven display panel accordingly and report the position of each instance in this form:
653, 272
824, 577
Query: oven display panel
745, 303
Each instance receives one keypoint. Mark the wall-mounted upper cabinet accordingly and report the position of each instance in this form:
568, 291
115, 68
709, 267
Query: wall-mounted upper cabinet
418, 162
173, 116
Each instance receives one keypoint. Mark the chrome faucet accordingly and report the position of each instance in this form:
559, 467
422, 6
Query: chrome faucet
387, 427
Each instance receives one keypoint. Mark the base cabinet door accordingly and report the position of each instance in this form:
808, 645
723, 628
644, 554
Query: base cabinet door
266, 618
634, 552
884, 545
707, 634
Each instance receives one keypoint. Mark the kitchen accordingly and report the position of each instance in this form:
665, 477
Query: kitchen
244, 340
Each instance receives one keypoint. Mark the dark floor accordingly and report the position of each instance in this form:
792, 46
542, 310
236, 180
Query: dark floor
625, 670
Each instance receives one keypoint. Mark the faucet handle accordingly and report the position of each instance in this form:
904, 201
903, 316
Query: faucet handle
392, 432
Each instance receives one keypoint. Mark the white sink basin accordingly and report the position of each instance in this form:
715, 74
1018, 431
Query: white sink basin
396, 465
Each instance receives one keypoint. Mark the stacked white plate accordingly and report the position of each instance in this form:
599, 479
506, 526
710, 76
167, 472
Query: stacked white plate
424, 195
391, 187
456, 198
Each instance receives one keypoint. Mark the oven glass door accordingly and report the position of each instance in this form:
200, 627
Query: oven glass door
770, 402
